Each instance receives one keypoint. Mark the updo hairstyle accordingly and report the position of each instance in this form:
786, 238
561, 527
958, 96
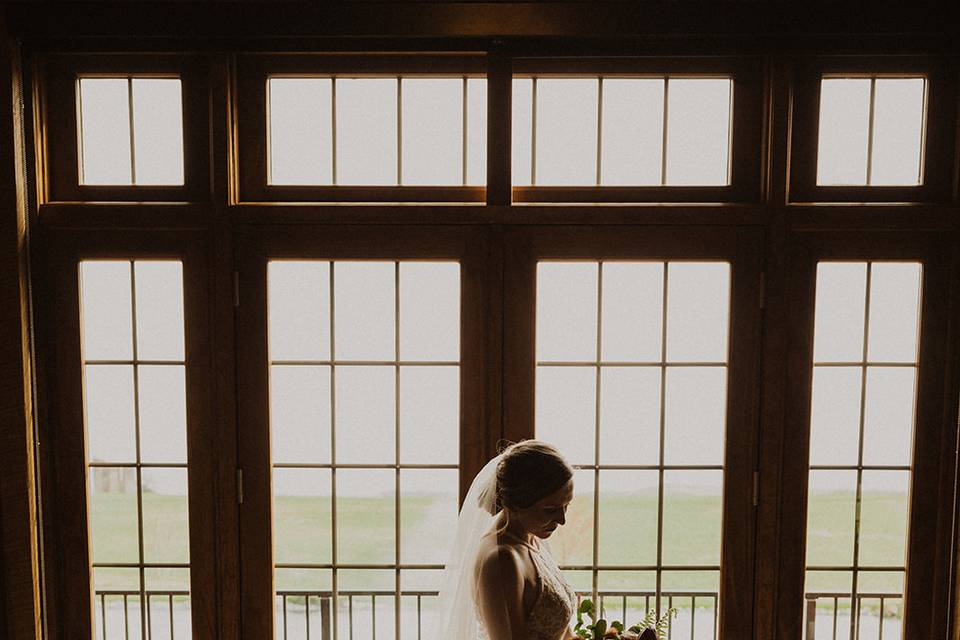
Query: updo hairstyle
528, 471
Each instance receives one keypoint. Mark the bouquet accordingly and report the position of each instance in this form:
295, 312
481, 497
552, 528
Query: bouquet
650, 628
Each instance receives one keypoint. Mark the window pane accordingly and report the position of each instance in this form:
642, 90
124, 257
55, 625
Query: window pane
105, 131
828, 604
374, 615
632, 311
566, 131
429, 503
894, 312
298, 295
695, 415
302, 522
476, 131
692, 512
630, 415
838, 323
432, 131
170, 602
844, 128
166, 536
835, 416
698, 309
830, 517
566, 410
300, 414
366, 131
889, 413
365, 516
679, 590
522, 130
430, 311
365, 414
158, 130
159, 287
113, 515
632, 131
567, 311
163, 413
106, 310
628, 517
365, 308
108, 400
573, 542
883, 518
698, 131
112, 613
898, 116
301, 127
430, 415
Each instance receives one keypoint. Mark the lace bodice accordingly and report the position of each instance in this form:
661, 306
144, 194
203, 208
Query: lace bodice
555, 601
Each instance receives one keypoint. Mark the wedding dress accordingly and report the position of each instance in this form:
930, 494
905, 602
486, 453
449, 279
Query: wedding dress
456, 617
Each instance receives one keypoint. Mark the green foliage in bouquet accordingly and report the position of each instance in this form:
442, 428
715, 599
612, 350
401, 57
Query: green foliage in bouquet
650, 628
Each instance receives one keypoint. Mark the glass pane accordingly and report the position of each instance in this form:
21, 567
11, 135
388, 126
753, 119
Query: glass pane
365, 516
365, 308
573, 542
158, 130
838, 324
314, 580
430, 415
432, 131
106, 310
163, 413
894, 312
696, 410
698, 131
566, 410
632, 314
630, 415
300, 414
566, 131
835, 416
367, 604
429, 503
873, 612
476, 131
830, 517
301, 127
632, 132
166, 536
567, 311
365, 414
698, 308
169, 616
111, 429
883, 518
430, 311
827, 605
695, 595
522, 130
105, 131
898, 115
614, 587
692, 512
844, 128
113, 614
628, 517
159, 290
302, 523
888, 419
298, 305
366, 131
113, 515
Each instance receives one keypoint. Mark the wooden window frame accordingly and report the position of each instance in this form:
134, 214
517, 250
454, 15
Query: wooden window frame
479, 419
933, 475
67, 546
526, 245
745, 135
253, 72
59, 75
938, 138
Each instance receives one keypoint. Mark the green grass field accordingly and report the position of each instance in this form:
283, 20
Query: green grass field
627, 535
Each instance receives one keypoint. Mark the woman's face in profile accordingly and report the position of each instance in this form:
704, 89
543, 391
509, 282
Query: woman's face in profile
544, 516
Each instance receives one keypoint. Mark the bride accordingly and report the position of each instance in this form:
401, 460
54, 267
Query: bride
501, 582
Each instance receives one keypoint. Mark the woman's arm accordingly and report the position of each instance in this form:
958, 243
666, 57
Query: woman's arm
500, 594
